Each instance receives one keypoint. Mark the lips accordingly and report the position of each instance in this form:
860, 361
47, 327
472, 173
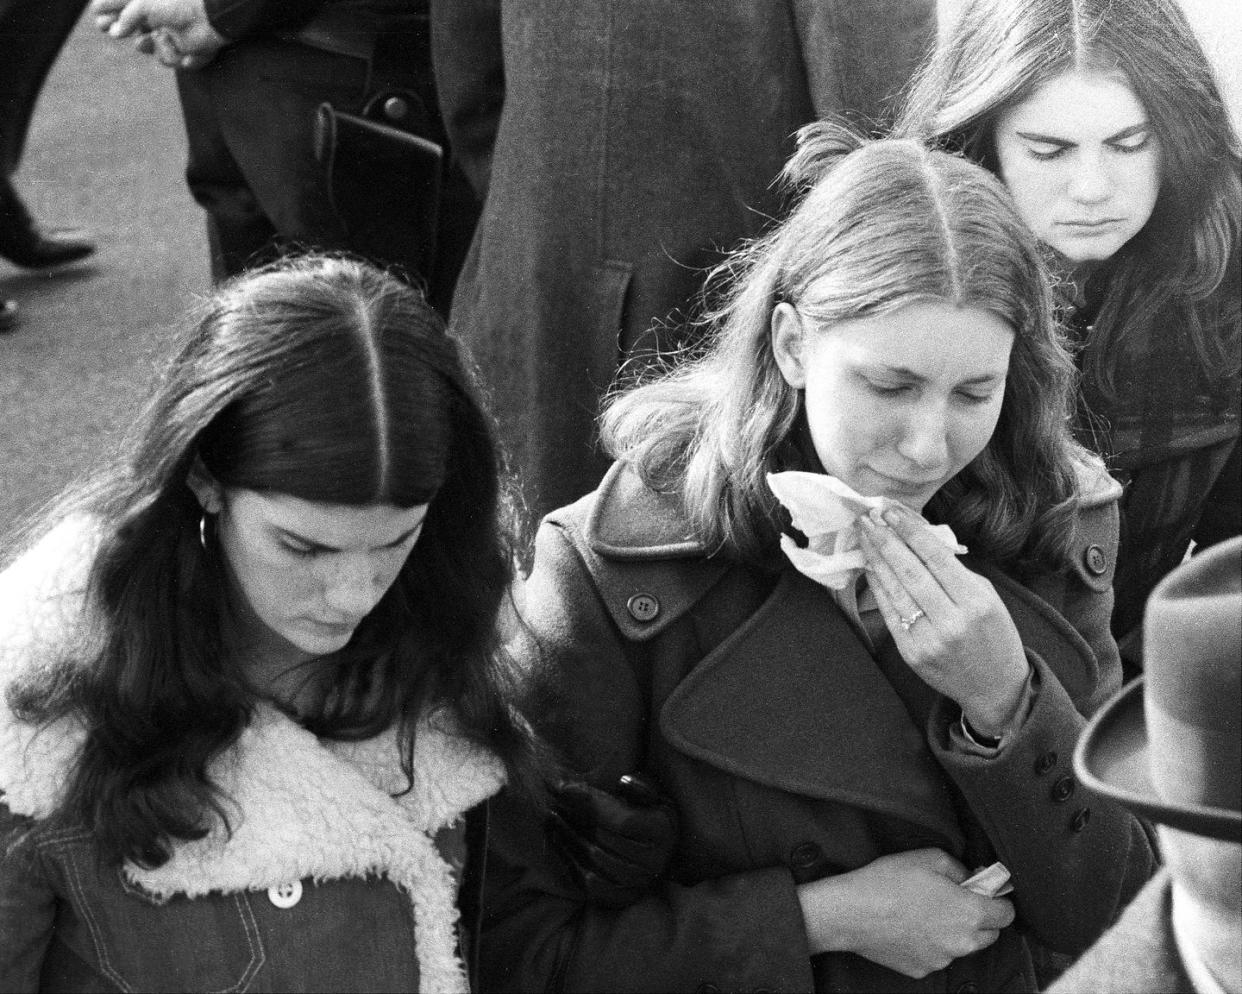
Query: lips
1092, 225
908, 486
336, 627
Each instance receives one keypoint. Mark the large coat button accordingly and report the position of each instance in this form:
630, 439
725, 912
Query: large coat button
1095, 560
807, 862
285, 895
805, 855
643, 607
1062, 789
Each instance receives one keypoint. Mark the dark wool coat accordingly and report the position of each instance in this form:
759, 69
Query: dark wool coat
1135, 955
791, 756
1171, 436
622, 148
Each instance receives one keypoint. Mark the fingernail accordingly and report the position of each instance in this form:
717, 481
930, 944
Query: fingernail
891, 515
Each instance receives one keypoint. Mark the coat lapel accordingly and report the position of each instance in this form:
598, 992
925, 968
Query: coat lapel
791, 699
818, 719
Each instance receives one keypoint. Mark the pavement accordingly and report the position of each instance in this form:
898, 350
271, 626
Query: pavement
106, 151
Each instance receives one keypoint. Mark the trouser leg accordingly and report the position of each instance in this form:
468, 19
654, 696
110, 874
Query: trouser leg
250, 124
32, 33
239, 234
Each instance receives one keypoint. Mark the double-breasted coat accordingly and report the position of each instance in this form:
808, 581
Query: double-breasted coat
791, 753
621, 148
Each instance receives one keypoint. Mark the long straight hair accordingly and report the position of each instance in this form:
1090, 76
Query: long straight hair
1176, 276
324, 379
879, 226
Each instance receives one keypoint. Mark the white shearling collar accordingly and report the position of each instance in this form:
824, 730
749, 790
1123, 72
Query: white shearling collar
298, 807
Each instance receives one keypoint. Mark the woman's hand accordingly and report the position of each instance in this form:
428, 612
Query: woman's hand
948, 623
906, 912
617, 844
177, 32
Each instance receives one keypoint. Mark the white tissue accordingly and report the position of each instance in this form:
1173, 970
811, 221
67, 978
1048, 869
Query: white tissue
825, 510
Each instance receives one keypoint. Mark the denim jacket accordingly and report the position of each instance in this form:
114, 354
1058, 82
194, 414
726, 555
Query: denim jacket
335, 877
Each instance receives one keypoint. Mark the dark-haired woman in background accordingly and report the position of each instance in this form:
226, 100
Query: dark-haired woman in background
1109, 130
250, 685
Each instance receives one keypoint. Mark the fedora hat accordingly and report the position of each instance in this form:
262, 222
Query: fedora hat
1169, 744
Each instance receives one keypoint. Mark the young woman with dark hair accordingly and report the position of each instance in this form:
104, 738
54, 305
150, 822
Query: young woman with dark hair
1110, 133
848, 718
251, 683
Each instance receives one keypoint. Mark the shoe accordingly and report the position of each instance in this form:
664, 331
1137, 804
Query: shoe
8, 315
24, 243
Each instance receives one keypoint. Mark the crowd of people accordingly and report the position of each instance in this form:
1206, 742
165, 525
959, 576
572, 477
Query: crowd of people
876, 391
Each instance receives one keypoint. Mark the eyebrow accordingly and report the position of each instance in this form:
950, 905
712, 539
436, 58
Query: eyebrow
320, 547
910, 374
1121, 135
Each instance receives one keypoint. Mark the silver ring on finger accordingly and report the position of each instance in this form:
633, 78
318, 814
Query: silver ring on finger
908, 623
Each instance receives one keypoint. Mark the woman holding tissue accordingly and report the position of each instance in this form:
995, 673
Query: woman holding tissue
850, 718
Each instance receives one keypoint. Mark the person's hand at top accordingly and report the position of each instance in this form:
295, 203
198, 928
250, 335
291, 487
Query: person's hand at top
177, 32
949, 624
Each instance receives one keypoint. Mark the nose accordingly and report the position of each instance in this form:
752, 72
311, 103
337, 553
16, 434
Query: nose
924, 438
352, 588
1090, 182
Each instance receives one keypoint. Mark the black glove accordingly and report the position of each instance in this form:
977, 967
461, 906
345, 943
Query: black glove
618, 844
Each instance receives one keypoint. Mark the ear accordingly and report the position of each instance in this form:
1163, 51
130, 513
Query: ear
789, 344
207, 488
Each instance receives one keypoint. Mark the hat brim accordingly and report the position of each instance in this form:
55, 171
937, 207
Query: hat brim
1111, 759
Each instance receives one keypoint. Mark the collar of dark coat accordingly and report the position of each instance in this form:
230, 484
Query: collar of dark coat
791, 698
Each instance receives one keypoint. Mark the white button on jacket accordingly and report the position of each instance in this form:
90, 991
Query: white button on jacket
285, 895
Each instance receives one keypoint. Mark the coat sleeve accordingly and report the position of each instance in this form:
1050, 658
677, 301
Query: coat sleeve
27, 907
742, 931
859, 57
1076, 859
470, 81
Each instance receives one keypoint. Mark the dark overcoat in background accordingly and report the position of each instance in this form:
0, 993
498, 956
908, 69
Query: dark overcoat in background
621, 146
791, 753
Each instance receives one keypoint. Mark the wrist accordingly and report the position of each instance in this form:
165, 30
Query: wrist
993, 718
822, 903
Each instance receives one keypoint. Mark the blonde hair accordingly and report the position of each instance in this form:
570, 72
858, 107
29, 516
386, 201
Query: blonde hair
877, 226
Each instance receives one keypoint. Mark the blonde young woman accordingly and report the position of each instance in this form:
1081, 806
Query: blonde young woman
849, 725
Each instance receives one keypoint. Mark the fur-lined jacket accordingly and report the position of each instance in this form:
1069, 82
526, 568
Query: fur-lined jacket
335, 877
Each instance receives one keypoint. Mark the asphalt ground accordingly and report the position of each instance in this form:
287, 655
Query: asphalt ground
106, 151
